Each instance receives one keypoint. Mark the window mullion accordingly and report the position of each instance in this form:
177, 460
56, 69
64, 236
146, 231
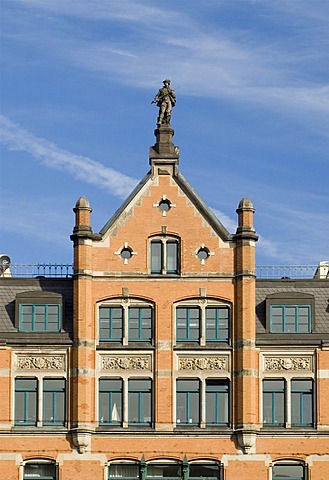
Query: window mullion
288, 403
203, 325
203, 404
125, 403
163, 257
40, 402
125, 325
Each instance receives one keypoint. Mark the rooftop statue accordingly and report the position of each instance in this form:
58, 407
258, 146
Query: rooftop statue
165, 100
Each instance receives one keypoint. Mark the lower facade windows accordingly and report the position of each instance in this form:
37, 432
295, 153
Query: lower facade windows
125, 402
202, 403
298, 393
40, 402
169, 470
39, 470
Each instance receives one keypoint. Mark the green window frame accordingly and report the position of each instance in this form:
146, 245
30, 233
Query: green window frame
290, 319
274, 402
26, 401
217, 324
164, 256
289, 471
111, 323
188, 402
217, 402
39, 471
140, 321
110, 401
140, 402
37, 317
302, 403
54, 401
188, 321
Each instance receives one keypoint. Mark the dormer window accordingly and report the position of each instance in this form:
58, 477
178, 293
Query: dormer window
39, 311
289, 312
164, 255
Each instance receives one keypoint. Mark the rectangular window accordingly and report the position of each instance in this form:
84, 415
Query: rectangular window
110, 323
217, 324
164, 256
169, 471
172, 257
217, 402
302, 402
288, 472
26, 404
188, 402
290, 318
39, 318
199, 471
124, 471
39, 471
274, 402
54, 401
188, 324
139, 402
110, 402
140, 324
156, 257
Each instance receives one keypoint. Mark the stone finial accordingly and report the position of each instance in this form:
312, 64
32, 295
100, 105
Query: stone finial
245, 213
82, 212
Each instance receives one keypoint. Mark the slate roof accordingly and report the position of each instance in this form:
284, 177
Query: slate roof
10, 287
318, 288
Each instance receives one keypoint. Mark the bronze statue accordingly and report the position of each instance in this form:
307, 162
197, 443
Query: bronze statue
165, 100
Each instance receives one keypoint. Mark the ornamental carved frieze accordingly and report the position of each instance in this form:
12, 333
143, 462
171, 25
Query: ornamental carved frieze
202, 363
41, 362
288, 363
138, 362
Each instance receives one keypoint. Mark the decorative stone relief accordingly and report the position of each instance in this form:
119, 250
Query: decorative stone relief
46, 362
126, 363
288, 363
202, 363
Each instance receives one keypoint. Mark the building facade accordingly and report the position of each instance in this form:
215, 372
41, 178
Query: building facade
163, 356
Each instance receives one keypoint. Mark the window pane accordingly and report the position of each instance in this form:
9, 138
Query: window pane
26, 401
188, 402
203, 471
110, 323
273, 402
164, 471
139, 402
217, 402
123, 471
140, 320
188, 323
110, 401
286, 472
156, 257
172, 257
54, 401
26, 317
302, 402
39, 471
217, 323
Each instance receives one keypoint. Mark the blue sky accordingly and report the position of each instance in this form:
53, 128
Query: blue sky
251, 120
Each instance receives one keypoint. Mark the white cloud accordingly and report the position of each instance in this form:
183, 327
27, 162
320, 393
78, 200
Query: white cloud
83, 168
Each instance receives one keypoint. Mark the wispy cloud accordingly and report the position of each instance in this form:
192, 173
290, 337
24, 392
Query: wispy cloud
82, 168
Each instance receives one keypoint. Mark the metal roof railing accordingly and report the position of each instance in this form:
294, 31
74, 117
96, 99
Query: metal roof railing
286, 271
33, 270
65, 270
